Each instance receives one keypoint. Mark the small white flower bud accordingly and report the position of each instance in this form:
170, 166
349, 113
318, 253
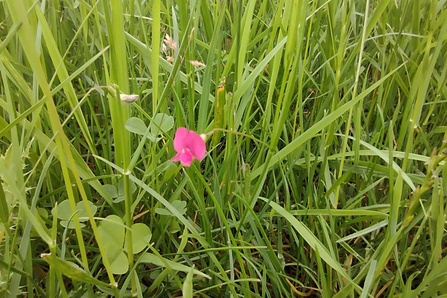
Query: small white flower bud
129, 98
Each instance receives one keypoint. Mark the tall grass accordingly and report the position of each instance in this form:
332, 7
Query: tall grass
325, 170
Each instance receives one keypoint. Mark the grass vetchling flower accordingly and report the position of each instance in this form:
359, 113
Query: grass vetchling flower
189, 146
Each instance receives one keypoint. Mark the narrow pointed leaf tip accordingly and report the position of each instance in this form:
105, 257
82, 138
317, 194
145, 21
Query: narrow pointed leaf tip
189, 146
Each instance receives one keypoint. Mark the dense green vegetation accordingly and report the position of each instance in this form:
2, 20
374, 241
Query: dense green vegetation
326, 144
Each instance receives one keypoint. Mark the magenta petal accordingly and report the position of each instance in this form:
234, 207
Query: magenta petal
189, 146
186, 158
181, 135
196, 145
177, 157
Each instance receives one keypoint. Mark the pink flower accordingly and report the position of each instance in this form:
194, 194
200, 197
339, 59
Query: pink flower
189, 146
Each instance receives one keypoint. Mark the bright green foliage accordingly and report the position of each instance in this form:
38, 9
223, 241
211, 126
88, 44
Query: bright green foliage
65, 214
111, 231
325, 173
187, 289
118, 193
71, 270
162, 262
159, 124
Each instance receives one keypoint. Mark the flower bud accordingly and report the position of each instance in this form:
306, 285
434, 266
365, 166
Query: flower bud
129, 98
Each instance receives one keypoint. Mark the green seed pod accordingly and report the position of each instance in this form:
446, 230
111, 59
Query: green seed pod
4, 210
219, 119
